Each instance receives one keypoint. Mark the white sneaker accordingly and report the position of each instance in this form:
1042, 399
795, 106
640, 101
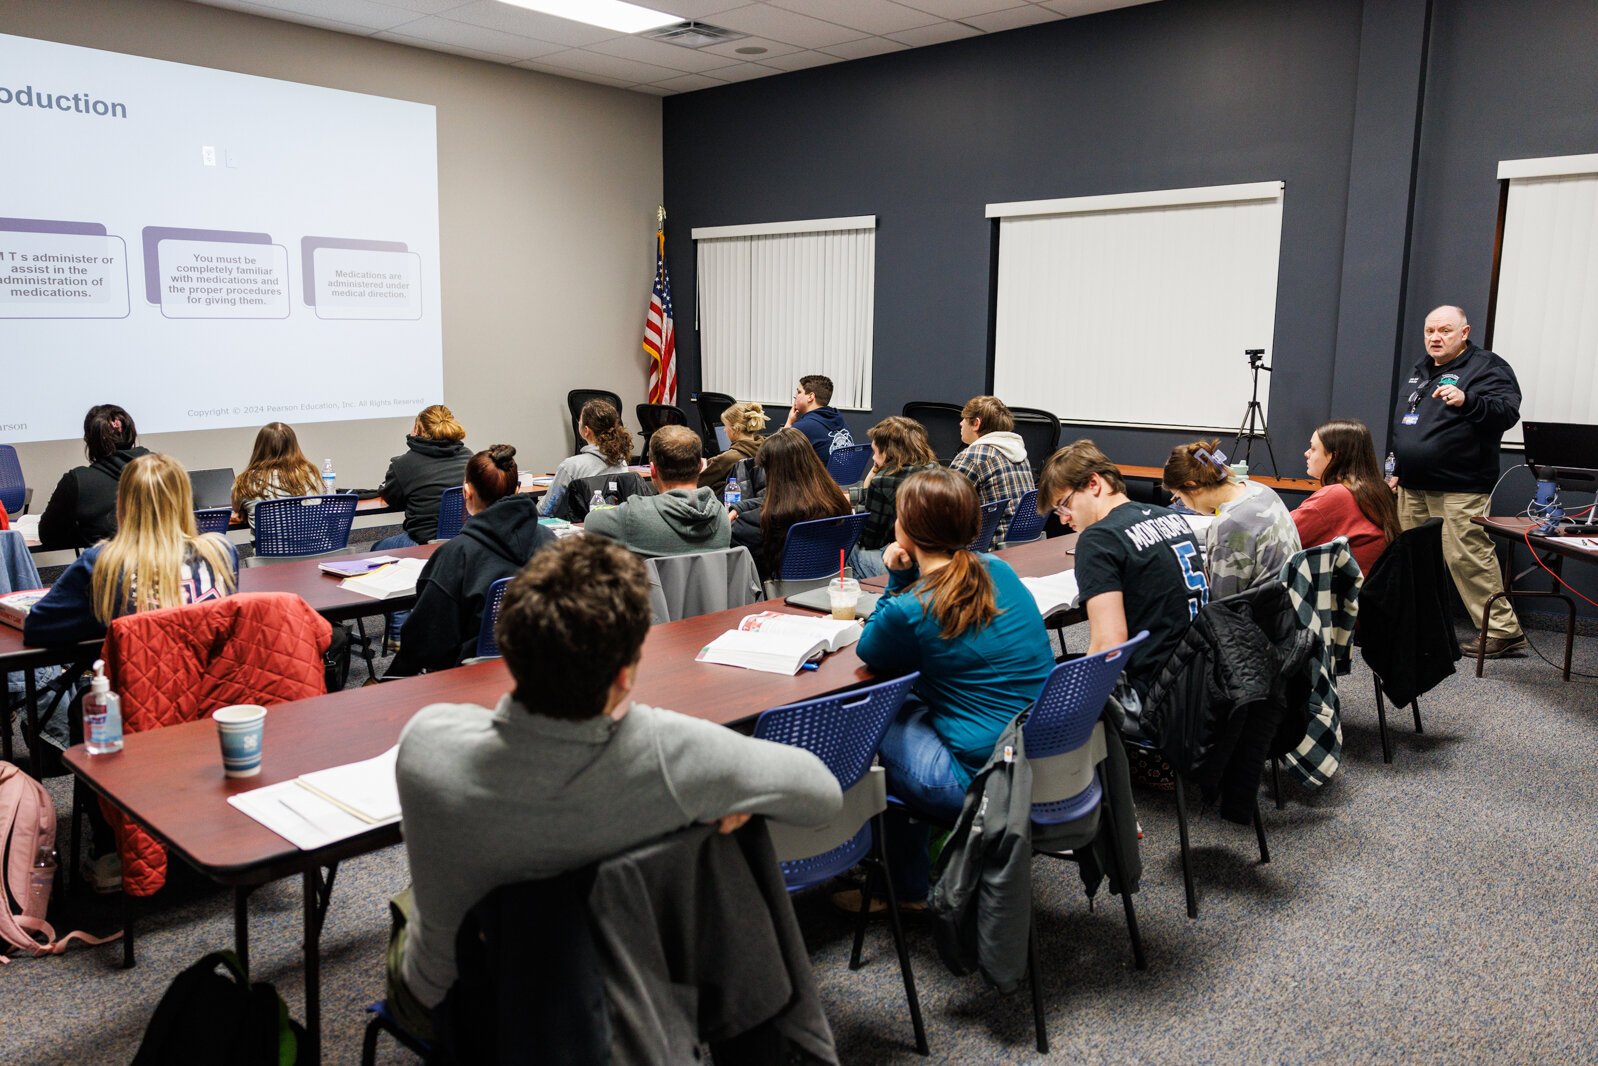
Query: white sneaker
104, 874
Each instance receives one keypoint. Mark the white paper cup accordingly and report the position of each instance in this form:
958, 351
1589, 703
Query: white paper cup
241, 729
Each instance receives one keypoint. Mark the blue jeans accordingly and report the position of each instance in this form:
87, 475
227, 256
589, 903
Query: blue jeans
922, 775
867, 562
398, 540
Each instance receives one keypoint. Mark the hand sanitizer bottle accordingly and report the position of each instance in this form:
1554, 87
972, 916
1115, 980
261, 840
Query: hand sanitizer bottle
102, 715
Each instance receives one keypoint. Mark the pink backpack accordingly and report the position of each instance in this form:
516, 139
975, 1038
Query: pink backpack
27, 823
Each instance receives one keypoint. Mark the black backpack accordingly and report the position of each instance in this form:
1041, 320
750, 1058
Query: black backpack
208, 1017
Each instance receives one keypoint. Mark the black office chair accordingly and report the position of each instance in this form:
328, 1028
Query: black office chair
1040, 430
711, 405
942, 423
574, 403
651, 416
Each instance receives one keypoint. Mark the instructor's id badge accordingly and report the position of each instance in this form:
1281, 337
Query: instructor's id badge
1410, 418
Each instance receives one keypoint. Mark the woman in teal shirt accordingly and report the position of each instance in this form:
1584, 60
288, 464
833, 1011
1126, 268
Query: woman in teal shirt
973, 630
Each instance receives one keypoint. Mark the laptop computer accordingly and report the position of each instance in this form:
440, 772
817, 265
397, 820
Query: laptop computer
212, 488
723, 442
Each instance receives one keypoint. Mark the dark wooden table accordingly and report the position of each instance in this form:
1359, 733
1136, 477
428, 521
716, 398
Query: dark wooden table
375, 505
1156, 474
1548, 555
171, 782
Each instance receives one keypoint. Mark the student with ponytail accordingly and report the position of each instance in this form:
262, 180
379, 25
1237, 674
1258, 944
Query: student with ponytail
1354, 500
606, 447
972, 629
501, 533
83, 508
1251, 535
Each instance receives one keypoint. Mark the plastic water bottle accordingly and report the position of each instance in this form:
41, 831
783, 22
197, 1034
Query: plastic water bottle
102, 715
42, 880
733, 494
328, 477
1392, 464
597, 502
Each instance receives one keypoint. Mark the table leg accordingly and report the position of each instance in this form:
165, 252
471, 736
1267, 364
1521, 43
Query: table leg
318, 890
30, 694
241, 924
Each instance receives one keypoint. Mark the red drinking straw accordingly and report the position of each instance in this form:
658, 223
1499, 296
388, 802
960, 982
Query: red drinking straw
840, 568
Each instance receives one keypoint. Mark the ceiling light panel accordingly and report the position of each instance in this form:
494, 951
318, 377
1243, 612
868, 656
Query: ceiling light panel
610, 14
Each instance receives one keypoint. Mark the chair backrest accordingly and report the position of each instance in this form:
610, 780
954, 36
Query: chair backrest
451, 512
942, 423
991, 513
811, 548
574, 403
844, 731
1025, 522
848, 465
689, 585
1040, 431
580, 493
651, 416
13, 489
303, 525
212, 488
1062, 722
487, 646
213, 519
711, 405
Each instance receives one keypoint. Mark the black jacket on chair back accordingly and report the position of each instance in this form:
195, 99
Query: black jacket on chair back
1405, 633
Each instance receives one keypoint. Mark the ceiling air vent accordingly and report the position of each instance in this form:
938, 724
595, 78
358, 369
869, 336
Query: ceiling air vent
693, 34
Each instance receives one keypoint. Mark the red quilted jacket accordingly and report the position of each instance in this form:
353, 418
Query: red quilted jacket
181, 663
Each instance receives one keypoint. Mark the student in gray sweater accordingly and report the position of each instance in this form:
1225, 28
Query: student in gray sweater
566, 770
683, 518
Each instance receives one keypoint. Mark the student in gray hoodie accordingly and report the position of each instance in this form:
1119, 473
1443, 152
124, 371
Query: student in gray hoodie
683, 518
995, 457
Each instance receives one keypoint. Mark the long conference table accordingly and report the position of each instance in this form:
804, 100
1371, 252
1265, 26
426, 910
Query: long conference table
171, 782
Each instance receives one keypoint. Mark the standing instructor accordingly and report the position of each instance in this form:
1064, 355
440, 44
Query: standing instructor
1452, 414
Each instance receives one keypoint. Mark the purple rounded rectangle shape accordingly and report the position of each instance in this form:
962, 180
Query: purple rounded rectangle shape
154, 235
45, 225
309, 245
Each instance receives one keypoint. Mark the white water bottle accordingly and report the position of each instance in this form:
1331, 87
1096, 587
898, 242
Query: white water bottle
102, 715
733, 494
597, 502
1392, 463
328, 477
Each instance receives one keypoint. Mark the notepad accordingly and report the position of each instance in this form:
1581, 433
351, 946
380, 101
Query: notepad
324, 807
1057, 592
388, 581
356, 567
776, 643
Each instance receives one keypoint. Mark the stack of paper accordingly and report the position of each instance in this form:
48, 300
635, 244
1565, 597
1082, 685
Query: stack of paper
386, 582
321, 808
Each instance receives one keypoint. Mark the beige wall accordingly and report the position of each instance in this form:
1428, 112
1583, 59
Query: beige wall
547, 196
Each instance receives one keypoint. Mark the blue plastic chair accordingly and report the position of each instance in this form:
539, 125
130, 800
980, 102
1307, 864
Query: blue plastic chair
848, 465
1025, 522
991, 513
13, 489
487, 646
303, 525
810, 551
844, 731
451, 512
383, 1021
213, 519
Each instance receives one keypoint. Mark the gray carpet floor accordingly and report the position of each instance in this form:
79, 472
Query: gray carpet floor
1443, 908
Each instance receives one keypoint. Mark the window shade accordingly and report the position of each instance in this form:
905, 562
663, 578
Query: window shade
1545, 319
780, 301
1137, 309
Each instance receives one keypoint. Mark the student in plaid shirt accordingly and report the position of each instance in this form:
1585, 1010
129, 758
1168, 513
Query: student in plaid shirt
995, 457
899, 448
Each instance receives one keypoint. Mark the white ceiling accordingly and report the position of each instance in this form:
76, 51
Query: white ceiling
794, 33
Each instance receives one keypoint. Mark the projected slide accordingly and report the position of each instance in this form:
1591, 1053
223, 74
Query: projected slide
210, 249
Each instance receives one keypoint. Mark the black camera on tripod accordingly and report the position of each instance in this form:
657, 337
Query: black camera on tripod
1256, 357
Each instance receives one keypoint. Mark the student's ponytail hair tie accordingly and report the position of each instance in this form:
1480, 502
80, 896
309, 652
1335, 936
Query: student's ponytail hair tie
1217, 457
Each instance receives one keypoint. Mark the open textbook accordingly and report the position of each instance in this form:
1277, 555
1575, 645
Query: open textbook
392, 579
778, 643
1057, 592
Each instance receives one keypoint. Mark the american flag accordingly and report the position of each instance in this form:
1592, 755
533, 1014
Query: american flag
660, 338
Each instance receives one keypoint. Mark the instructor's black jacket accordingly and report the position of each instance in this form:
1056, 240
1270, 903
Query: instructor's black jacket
1455, 449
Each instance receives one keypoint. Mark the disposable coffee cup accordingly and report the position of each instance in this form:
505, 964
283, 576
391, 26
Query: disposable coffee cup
241, 729
844, 595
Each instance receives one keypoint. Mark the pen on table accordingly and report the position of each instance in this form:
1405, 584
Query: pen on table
810, 666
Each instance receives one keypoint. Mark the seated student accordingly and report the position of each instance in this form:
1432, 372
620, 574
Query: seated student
606, 448
683, 518
745, 424
813, 415
434, 460
899, 448
83, 508
1354, 500
566, 770
277, 469
973, 630
501, 536
1252, 535
157, 559
994, 457
798, 489
1137, 564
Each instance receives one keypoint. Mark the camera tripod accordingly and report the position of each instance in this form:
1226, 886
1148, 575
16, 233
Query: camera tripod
1253, 424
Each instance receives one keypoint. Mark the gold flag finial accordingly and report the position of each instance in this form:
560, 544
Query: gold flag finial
660, 215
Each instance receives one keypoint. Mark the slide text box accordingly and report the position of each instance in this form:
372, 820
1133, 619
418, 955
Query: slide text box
62, 275
360, 283
217, 279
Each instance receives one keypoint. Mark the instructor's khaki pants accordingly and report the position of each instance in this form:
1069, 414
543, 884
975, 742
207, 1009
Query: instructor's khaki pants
1467, 549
